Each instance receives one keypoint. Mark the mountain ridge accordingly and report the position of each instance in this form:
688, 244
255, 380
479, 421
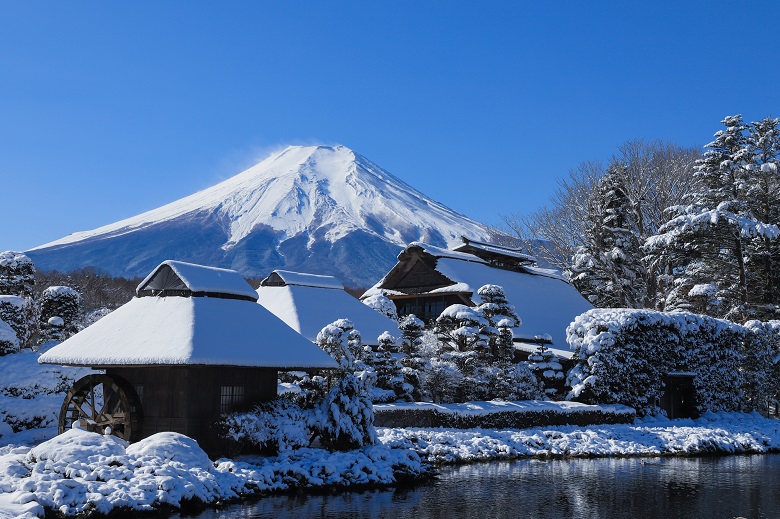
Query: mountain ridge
320, 209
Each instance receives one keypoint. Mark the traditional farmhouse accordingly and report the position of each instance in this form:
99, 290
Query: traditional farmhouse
428, 279
307, 303
192, 345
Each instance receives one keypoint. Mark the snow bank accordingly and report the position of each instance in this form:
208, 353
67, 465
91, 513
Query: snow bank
713, 433
81, 472
31, 394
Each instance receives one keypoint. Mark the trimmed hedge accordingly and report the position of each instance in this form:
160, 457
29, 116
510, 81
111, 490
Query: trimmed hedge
511, 419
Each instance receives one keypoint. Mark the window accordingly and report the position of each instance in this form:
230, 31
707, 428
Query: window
230, 397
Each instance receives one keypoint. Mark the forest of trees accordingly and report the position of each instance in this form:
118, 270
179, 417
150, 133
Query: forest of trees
665, 227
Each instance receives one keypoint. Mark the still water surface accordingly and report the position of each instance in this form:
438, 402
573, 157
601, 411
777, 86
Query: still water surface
726, 487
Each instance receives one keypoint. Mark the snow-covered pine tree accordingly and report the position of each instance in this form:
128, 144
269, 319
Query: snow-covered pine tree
17, 274
346, 416
412, 330
502, 318
412, 361
389, 372
333, 340
763, 198
547, 369
607, 269
707, 241
60, 302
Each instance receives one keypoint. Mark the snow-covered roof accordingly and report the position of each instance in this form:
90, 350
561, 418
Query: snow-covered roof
543, 299
189, 331
308, 310
495, 249
305, 280
546, 305
197, 279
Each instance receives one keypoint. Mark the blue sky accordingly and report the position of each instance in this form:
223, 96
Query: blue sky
109, 109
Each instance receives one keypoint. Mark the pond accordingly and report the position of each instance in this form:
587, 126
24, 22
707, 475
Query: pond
711, 487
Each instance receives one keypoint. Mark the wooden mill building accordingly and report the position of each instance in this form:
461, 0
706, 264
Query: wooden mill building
428, 279
192, 345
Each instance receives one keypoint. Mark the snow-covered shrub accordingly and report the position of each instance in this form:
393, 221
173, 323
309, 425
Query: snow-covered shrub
345, 419
762, 364
9, 343
65, 303
622, 356
306, 390
17, 274
20, 313
271, 427
441, 380
383, 305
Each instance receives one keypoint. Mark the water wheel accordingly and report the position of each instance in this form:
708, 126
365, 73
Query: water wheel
105, 404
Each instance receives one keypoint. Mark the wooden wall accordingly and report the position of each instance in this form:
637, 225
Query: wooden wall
186, 399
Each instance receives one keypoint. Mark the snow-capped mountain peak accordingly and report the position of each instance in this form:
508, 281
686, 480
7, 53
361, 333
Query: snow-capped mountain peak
312, 197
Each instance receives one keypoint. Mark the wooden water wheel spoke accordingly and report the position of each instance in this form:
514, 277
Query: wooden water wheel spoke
104, 404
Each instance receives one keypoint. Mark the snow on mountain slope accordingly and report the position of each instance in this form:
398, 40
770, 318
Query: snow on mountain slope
325, 210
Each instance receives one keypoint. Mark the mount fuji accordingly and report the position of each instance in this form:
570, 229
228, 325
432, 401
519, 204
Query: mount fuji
316, 209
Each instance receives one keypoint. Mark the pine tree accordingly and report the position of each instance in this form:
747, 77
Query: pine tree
547, 369
389, 371
607, 269
333, 340
763, 197
502, 318
412, 361
709, 241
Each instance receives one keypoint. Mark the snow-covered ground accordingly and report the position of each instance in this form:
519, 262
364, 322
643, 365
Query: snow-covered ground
30, 394
78, 472
713, 433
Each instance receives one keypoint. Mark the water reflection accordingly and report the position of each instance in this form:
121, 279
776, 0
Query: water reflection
649, 487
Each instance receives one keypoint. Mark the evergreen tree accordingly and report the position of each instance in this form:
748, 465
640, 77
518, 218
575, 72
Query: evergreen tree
412, 361
389, 371
17, 274
547, 369
502, 318
607, 269
709, 242
346, 415
60, 303
412, 330
763, 197
333, 340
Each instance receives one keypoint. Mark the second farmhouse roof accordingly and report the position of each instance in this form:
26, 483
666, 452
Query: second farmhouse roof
199, 324
307, 303
543, 299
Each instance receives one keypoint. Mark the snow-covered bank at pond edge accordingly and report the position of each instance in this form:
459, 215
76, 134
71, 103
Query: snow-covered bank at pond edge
713, 433
79, 472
